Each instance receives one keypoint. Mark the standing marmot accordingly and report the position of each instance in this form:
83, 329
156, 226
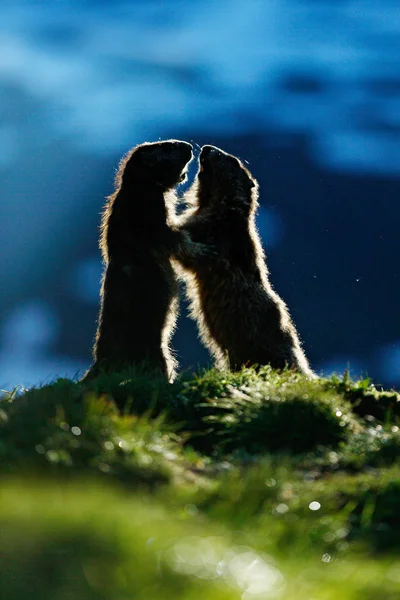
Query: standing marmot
139, 294
241, 319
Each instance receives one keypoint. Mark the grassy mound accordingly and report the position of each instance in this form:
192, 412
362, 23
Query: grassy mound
222, 485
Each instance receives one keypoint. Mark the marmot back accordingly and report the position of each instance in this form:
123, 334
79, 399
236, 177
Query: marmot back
241, 319
139, 293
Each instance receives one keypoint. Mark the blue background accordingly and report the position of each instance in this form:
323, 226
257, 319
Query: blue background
308, 92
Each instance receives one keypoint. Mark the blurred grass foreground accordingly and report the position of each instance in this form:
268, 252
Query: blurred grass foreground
220, 486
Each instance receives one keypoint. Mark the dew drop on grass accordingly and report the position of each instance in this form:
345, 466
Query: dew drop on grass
281, 509
52, 456
254, 575
170, 455
342, 532
126, 445
104, 467
314, 505
342, 546
270, 482
333, 457
76, 430
326, 558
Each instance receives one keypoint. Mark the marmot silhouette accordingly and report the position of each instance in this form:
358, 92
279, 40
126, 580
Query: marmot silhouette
241, 319
139, 292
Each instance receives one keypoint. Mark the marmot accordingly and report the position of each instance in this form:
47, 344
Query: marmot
241, 319
139, 292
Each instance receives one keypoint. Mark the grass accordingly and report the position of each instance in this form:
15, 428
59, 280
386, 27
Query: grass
220, 486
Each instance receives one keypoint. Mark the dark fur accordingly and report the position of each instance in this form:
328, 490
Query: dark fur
139, 294
241, 319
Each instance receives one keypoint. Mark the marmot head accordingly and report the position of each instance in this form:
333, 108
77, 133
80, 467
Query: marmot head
223, 180
158, 163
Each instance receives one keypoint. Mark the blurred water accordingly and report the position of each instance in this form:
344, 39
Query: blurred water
308, 92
